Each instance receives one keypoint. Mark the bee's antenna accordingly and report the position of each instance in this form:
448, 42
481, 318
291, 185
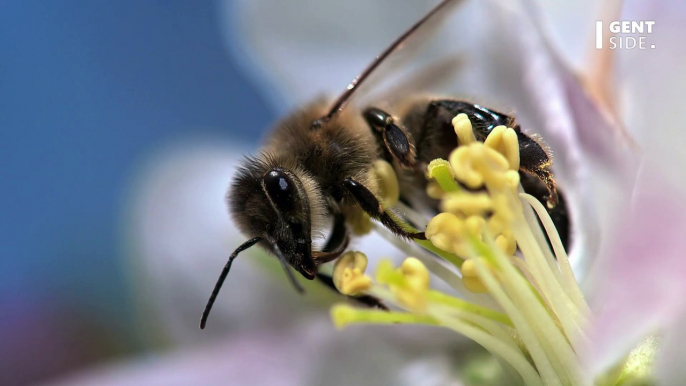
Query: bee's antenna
286, 267
355, 84
222, 277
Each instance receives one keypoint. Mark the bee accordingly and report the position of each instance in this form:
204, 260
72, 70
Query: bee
316, 169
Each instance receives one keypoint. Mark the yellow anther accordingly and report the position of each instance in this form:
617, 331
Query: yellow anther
385, 272
433, 190
470, 277
474, 285
463, 129
504, 141
493, 160
467, 203
497, 224
506, 242
360, 222
447, 232
493, 167
348, 273
462, 160
413, 291
511, 148
475, 164
475, 226
388, 182
512, 177
415, 273
495, 138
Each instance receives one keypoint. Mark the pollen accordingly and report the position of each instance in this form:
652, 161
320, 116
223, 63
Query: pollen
388, 182
348, 273
360, 222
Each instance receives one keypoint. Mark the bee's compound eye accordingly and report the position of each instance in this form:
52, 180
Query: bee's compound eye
282, 190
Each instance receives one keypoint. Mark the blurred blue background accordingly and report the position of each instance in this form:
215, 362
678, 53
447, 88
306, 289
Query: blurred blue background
87, 89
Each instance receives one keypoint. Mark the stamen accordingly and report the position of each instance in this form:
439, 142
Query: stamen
446, 231
502, 257
343, 315
463, 129
504, 140
408, 284
467, 204
348, 273
506, 242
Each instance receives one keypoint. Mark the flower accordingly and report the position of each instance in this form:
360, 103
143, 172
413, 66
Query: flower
618, 207
605, 175
543, 324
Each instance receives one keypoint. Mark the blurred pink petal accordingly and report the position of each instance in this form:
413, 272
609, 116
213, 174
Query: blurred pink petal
315, 354
640, 284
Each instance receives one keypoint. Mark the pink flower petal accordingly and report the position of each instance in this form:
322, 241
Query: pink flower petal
639, 285
314, 354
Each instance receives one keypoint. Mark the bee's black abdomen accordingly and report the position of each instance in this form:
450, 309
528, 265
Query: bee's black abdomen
559, 214
430, 124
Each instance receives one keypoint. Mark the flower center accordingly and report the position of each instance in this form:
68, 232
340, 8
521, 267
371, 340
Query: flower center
531, 313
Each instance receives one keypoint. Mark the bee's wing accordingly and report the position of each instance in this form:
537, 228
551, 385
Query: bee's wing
314, 48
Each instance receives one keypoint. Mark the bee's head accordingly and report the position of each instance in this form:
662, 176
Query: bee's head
280, 205
276, 204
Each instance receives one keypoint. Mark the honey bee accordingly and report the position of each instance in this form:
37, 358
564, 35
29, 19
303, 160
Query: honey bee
316, 168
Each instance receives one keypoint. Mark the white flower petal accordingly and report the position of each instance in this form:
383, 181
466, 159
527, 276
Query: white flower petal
652, 82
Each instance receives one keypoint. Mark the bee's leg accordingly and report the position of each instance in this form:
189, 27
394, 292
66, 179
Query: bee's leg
371, 205
397, 141
366, 300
